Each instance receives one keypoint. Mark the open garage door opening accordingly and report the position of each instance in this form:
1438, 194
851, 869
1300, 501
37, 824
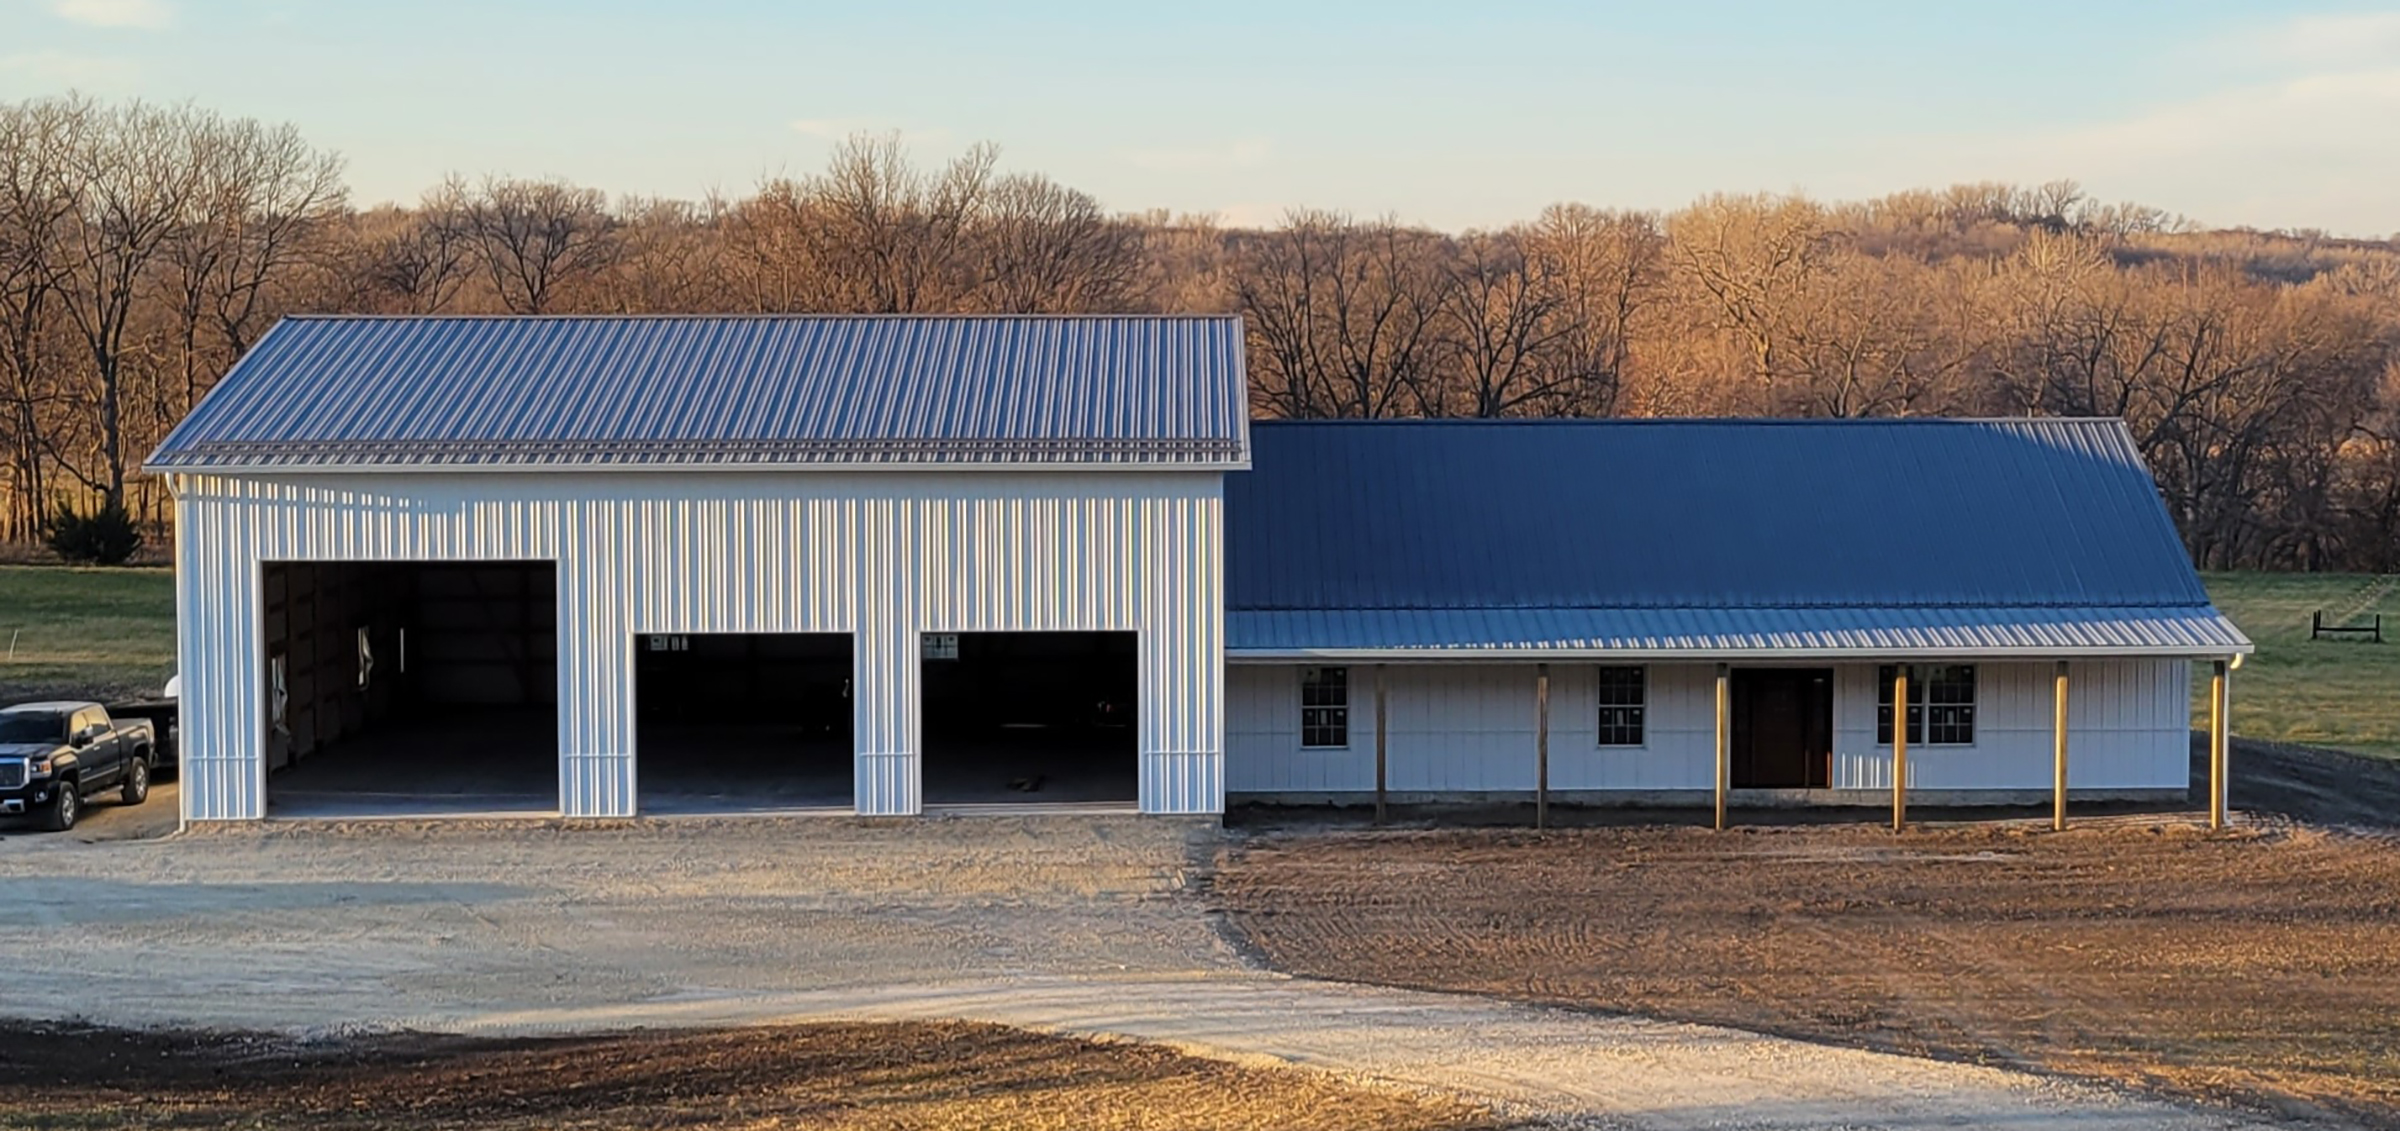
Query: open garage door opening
1031, 718
410, 688
743, 722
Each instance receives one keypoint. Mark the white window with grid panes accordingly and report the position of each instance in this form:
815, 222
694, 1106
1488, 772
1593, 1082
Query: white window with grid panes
1324, 708
1941, 704
1623, 694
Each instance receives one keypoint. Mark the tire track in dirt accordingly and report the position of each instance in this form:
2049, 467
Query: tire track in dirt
674, 924
2256, 966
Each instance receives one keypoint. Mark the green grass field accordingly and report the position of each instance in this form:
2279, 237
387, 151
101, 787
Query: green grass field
110, 632
2342, 694
98, 633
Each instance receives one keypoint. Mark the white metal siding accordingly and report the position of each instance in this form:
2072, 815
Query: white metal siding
2128, 727
1470, 728
883, 557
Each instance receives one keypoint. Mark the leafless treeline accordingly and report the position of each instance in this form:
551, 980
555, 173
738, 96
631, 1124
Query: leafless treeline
142, 248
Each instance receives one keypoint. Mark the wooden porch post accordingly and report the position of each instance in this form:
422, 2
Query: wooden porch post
1724, 739
2058, 772
2218, 704
1541, 746
1900, 748
1382, 777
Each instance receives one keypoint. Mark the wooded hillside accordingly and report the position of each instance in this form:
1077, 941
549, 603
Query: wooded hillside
143, 247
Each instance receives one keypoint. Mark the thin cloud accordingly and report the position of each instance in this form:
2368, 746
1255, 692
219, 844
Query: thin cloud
833, 129
2336, 112
839, 129
2315, 41
54, 69
1245, 154
2302, 129
142, 15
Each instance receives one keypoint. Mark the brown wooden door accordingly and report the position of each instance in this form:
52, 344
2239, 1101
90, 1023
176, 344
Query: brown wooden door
1782, 728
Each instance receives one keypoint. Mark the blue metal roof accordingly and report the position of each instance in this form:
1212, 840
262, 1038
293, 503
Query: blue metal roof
1707, 536
332, 392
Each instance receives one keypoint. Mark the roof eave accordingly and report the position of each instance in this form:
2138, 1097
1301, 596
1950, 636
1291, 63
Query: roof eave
1475, 654
290, 469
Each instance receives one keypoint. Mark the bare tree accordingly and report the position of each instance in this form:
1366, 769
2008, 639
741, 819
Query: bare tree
1186, 263
872, 234
264, 196
413, 261
142, 248
1609, 270
1504, 328
134, 172
35, 210
1880, 336
889, 238
670, 258
1341, 316
1746, 262
537, 239
1044, 248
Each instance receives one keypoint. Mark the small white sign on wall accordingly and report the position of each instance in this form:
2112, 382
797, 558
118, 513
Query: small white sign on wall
941, 645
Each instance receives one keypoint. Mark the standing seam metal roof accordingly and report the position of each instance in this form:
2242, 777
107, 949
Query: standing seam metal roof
1698, 536
451, 391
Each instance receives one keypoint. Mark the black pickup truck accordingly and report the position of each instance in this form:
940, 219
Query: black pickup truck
54, 755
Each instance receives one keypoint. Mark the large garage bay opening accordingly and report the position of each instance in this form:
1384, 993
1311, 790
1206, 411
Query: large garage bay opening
743, 722
1031, 718
410, 688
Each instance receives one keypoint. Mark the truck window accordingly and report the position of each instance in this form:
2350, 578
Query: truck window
28, 726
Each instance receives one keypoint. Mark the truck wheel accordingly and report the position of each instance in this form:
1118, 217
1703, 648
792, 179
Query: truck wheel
61, 814
137, 782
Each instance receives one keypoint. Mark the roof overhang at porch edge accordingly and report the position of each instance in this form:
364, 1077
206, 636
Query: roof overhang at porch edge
304, 470
1706, 655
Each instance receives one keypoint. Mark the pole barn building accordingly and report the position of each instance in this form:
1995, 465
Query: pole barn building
602, 566
1640, 611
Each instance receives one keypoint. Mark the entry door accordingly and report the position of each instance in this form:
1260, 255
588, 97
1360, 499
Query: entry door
1782, 728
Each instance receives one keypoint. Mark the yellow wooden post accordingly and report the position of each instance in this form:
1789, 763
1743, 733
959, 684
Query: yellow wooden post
2217, 704
1541, 746
2058, 773
1900, 748
1724, 739
1381, 777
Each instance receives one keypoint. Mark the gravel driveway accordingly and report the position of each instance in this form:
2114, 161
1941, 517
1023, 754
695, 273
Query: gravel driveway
1076, 924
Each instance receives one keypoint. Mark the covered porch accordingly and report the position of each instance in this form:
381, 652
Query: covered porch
1724, 722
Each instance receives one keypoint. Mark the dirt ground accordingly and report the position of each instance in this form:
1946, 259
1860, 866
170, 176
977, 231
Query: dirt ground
2260, 966
2322, 787
838, 1075
1075, 926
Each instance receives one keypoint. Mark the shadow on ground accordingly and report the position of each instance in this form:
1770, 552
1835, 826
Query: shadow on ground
2305, 783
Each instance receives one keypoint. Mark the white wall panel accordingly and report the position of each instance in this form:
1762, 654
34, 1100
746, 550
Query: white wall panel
1469, 728
2128, 727
1262, 735
884, 557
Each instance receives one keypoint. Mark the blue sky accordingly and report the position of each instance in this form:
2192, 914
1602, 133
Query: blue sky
1455, 114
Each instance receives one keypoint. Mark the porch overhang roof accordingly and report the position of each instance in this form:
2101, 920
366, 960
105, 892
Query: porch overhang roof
1854, 633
